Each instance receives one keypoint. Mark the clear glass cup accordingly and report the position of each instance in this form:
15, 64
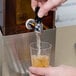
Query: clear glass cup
40, 57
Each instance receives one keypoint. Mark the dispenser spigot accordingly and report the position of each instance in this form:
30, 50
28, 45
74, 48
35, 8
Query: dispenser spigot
31, 24
35, 24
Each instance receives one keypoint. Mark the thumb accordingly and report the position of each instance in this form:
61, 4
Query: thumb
38, 71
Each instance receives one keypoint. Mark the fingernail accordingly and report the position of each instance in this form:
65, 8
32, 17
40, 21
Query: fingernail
40, 14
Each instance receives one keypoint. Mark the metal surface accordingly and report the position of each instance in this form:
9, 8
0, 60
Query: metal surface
1, 50
17, 50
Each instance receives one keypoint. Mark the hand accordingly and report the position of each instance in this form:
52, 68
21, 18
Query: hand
53, 71
46, 5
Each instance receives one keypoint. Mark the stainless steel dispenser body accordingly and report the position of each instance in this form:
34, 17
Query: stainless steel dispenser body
17, 49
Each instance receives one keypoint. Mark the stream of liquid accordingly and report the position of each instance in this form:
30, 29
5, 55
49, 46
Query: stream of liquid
38, 38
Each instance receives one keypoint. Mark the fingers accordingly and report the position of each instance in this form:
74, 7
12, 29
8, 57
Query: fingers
38, 71
49, 5
31, 74
46, 5
34, 4
45, 9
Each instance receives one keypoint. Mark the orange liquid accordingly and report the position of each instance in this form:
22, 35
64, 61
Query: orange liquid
40, 61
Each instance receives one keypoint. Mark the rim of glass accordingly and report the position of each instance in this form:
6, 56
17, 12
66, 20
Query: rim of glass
50, 45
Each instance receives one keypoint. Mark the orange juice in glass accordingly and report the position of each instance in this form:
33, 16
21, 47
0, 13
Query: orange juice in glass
42, 59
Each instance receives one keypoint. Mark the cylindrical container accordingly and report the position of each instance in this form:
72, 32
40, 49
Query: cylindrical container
40, 54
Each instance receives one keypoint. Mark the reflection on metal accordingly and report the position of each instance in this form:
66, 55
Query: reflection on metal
75, 47
17, 49
1, 52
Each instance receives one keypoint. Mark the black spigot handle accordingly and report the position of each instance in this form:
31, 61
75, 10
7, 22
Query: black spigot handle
37, 19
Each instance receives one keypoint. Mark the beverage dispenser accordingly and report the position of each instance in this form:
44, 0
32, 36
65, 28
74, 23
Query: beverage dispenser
17, 50
18, 37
